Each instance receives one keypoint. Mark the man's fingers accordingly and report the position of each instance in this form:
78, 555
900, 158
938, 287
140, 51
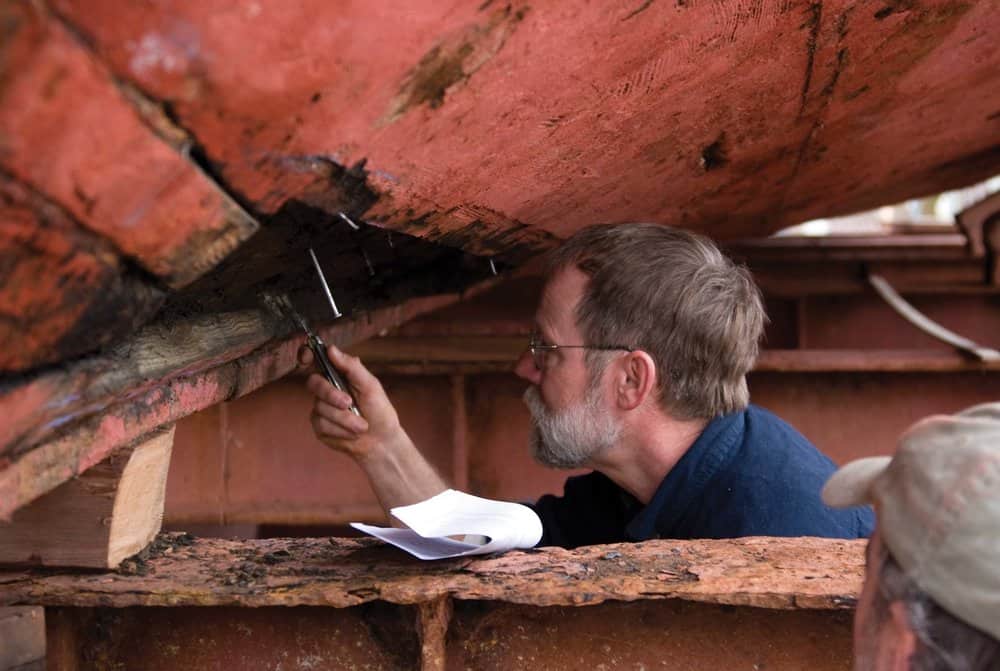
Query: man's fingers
327, 430
359, 377
326, 392
304, 356
342, 417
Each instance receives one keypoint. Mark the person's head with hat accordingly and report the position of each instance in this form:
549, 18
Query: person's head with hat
931, 598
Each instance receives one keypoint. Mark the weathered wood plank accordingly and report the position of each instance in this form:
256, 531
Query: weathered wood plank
70, 133
484, 118
110, 512
73, 419
65, 290
781, 573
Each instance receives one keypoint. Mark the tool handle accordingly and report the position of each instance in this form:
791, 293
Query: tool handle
318, 348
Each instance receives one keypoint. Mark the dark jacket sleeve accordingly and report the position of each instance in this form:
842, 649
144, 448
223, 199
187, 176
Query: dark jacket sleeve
591, 510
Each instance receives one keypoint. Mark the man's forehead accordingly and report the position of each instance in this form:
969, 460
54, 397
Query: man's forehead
559, 299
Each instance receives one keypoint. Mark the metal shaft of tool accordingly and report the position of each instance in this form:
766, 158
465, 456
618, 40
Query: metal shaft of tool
326, 287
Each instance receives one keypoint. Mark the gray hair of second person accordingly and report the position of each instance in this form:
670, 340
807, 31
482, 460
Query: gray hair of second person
946, 643
673, 294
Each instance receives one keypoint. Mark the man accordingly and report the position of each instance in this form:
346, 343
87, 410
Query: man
644, 335
931, 598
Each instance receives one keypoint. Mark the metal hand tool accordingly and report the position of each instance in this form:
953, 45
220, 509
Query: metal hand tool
316, 343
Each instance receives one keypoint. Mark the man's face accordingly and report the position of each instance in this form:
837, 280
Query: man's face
571, 420
878, 645
865, 618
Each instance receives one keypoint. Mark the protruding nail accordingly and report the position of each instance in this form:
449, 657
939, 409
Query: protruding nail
493, 266
368, 262
349, 222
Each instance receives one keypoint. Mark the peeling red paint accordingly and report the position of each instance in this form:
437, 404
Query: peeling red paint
69, 133
580, 113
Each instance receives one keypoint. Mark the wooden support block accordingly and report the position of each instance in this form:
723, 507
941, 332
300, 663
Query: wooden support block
22, 638
109, 513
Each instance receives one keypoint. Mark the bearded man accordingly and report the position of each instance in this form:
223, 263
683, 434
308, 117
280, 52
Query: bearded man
643, 338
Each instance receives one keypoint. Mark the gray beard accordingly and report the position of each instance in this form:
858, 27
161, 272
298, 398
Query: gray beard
570, 438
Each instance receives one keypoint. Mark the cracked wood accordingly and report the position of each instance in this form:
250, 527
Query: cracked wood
779, 573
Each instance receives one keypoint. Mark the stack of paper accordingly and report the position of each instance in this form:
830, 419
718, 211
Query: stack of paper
483, 525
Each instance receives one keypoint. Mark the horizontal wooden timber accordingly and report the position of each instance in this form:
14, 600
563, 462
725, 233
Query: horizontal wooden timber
823, 111
64, 422
778, 573
482, 354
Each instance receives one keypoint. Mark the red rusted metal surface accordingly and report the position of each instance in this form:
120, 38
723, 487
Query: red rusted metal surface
220, 639
650, 635
483, 636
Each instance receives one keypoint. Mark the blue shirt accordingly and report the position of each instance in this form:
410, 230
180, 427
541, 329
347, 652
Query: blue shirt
748, 474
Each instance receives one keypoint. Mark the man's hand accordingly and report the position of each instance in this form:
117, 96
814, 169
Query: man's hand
399, 474
332, 420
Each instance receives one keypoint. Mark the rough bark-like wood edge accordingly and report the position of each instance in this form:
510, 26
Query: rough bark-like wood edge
132, 412
776, 573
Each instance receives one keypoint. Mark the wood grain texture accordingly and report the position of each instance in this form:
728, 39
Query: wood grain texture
781, 573
64, 422
492, 126
108, 513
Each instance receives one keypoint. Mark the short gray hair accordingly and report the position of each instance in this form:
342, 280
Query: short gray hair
674, 295
945, 642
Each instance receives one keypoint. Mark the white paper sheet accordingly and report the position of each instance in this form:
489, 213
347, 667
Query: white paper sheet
433, 523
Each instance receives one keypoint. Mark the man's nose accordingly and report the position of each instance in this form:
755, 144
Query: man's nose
527, 369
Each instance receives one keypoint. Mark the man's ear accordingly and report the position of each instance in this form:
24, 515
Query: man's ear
636, 380
904, 641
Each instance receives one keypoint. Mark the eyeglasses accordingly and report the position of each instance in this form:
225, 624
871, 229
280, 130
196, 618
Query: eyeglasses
540, 349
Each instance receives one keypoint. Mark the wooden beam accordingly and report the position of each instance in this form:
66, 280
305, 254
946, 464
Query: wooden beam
814, 573
22, 638
110, 512
71, 134
62, 422
822, 114
65, 290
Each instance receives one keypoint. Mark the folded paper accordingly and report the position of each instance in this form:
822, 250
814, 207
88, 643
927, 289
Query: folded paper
484, 525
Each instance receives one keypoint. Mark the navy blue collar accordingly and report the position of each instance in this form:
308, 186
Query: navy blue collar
685, 483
